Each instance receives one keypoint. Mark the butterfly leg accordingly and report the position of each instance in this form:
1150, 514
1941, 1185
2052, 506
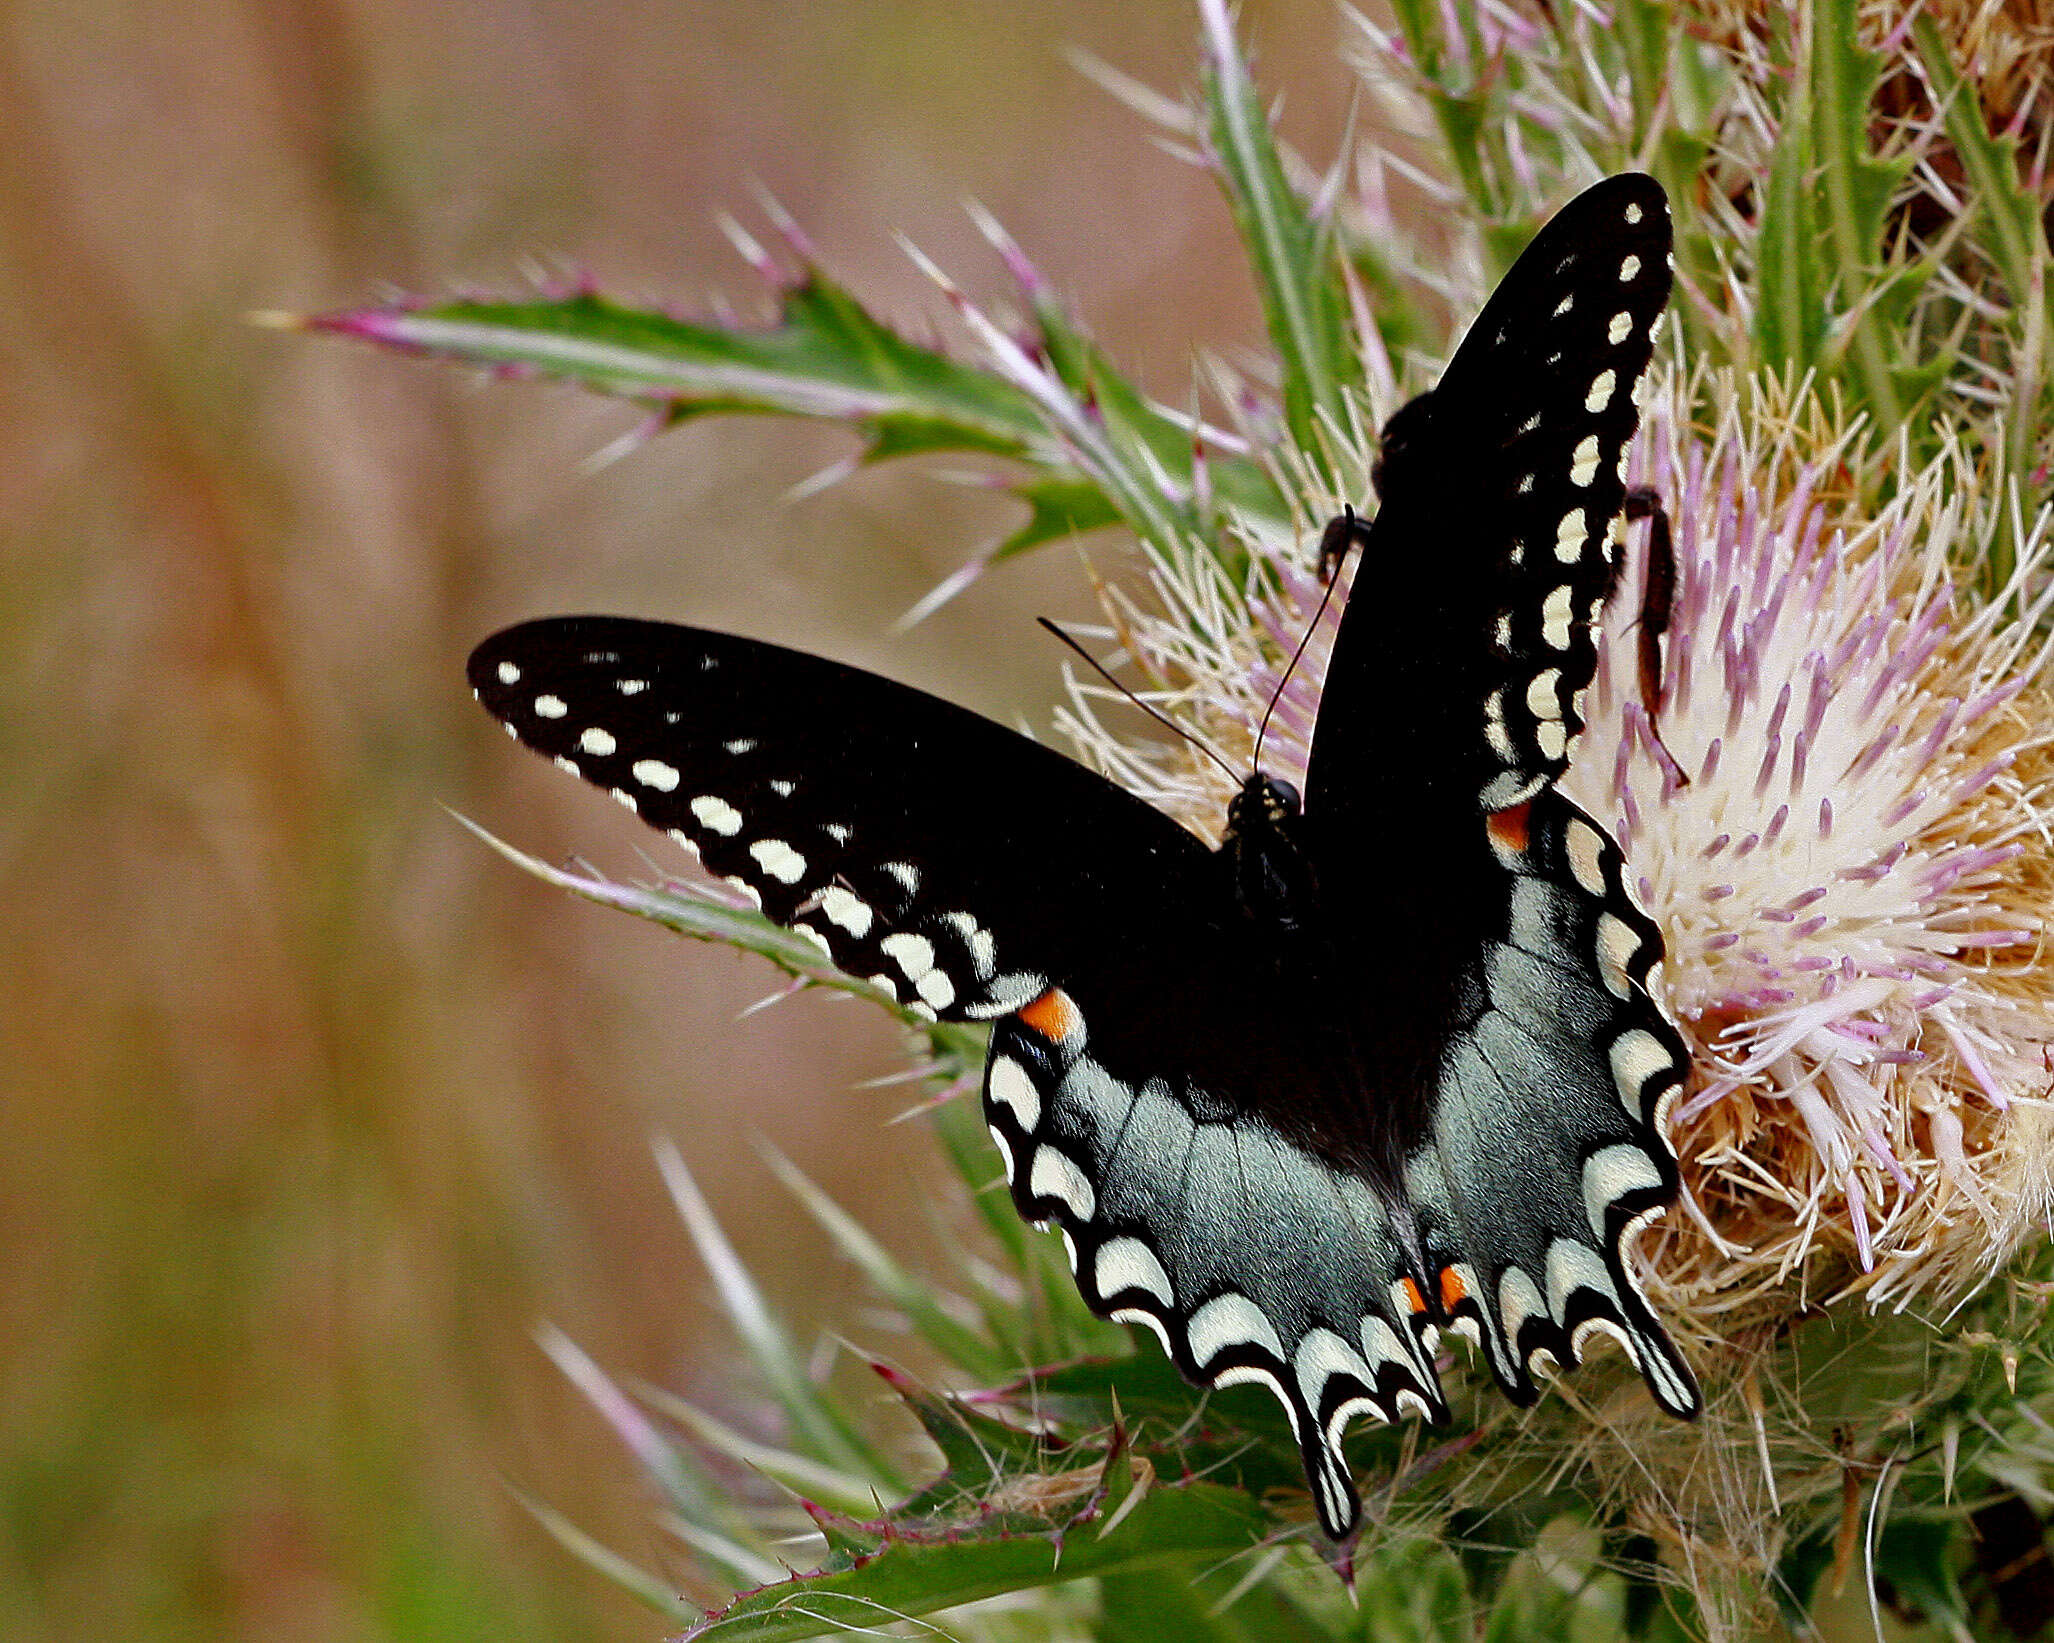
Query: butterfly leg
1393, 446
1658, 598
1344, 531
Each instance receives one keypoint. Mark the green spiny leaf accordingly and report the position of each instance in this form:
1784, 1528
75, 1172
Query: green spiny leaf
910, 1575
1161, 447
1805, 1560
1998, 193
849, 1544
1790, 320
824, 356
1856, 188
1234, 1434
1999, 198
979, 1450
1059, 505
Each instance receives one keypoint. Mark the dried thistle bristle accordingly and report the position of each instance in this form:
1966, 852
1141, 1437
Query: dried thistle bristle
2005, 47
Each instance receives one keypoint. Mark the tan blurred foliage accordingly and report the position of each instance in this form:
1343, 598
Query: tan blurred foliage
313, 1108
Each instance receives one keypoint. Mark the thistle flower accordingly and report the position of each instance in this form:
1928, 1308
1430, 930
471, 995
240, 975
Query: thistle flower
1850, 880
1832, 811
1838, 811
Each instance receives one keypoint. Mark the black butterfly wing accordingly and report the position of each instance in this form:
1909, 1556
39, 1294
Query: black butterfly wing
1251, 1257
1544, 1152
1509, 1030
1469, 638
980, 876
920, 845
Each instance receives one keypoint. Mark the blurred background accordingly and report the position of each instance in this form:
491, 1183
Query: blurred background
311, 1109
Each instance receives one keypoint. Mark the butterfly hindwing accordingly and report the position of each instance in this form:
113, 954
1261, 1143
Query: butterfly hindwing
1546, 1149
1249, 1258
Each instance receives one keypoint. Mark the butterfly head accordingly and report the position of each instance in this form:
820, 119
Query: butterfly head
1264, 804
1401, 436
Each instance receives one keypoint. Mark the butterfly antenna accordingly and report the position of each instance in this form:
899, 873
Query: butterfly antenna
1343, 532
1164, 720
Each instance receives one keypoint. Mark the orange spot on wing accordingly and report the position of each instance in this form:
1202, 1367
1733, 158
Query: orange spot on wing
1413, 1298
1508, 828
1054, 1015
1452, 1292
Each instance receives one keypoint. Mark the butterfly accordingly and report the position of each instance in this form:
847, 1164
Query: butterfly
1383, 1063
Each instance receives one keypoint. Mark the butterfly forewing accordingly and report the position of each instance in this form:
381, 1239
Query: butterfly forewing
1497, 541
919, 844
1575, 327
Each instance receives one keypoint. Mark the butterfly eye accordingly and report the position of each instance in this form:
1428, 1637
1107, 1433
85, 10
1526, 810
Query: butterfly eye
1401, 435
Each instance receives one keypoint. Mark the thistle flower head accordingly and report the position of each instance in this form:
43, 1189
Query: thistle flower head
1830, 812
1836, 810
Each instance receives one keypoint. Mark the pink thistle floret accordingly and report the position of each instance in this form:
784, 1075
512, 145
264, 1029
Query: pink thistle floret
1829, 811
